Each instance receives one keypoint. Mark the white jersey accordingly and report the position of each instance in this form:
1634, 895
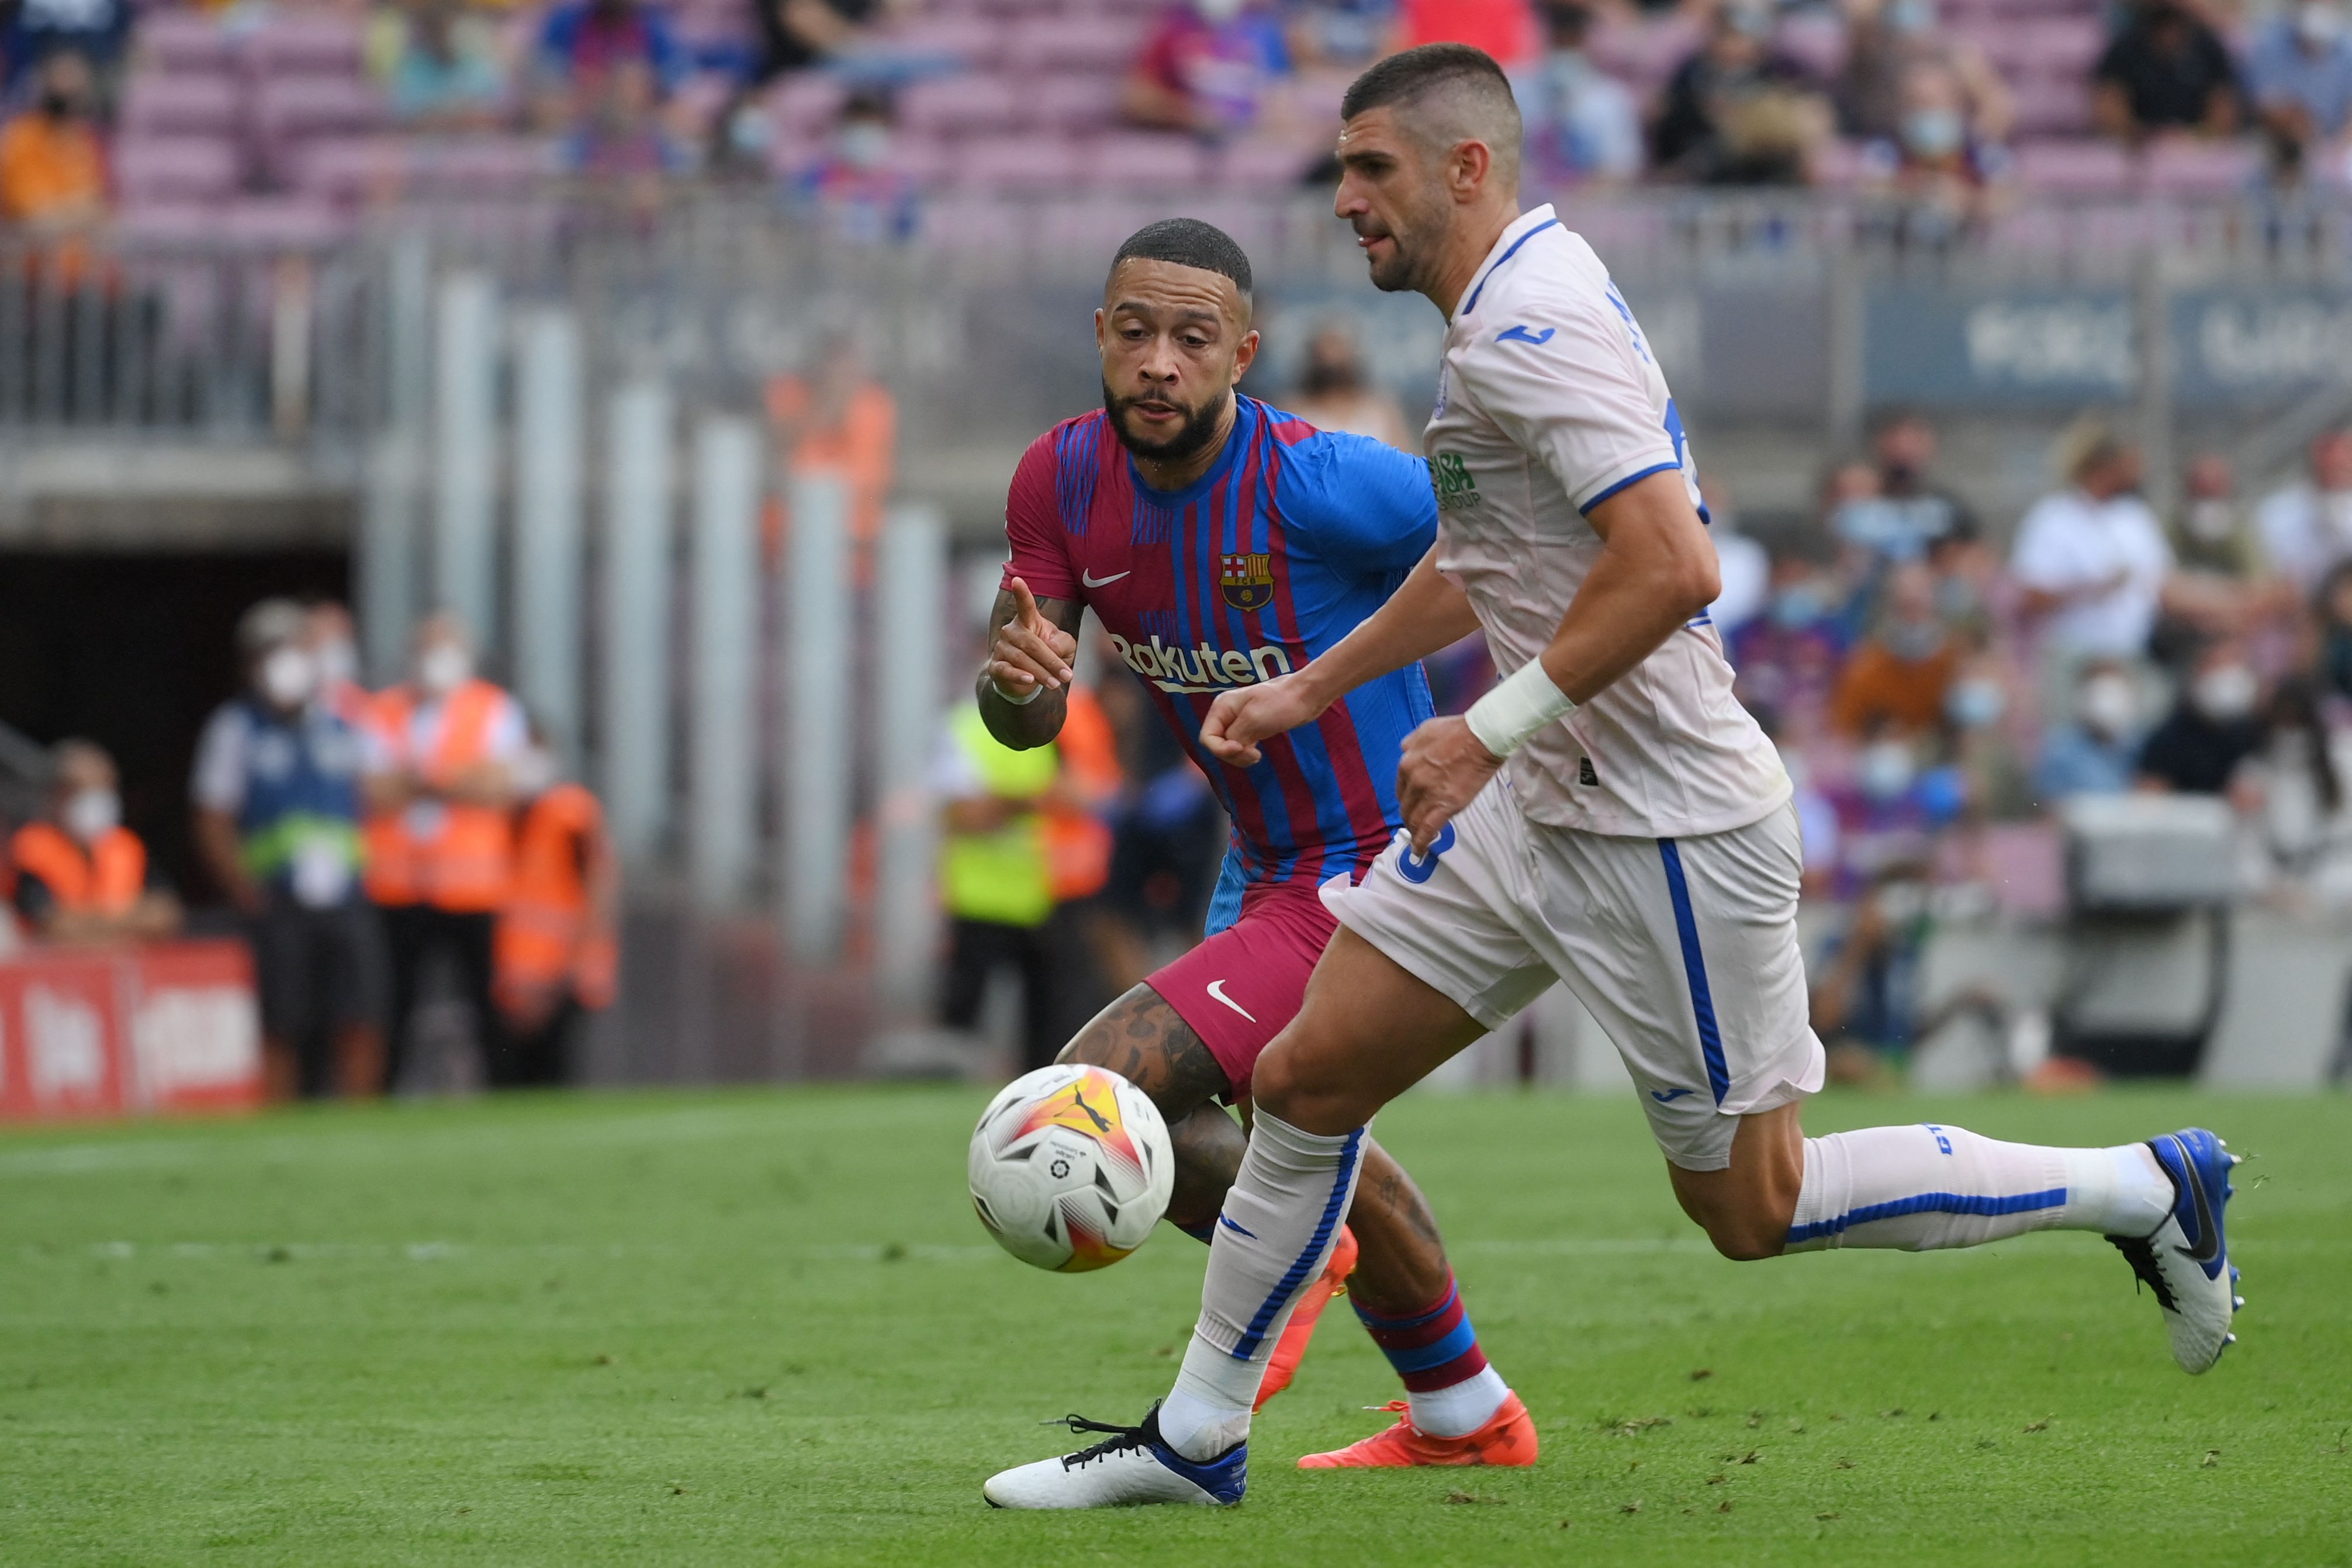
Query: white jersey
1549, 402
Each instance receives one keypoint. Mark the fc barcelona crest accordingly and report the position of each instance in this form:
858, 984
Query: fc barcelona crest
1247, 579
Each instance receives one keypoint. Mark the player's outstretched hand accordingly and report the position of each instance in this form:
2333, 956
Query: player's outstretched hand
1241, 717
1029, 652
1442, 767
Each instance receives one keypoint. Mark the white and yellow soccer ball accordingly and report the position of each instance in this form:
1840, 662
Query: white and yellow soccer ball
1071, 1167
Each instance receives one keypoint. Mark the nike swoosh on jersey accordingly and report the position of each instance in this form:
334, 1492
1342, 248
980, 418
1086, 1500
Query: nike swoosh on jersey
1521, 334
1091, 580
1217, 991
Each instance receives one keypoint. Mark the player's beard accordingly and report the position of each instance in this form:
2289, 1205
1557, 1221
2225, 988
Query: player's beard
1198, 429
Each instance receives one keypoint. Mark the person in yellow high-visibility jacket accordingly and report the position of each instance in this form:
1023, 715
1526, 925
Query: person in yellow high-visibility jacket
997, 876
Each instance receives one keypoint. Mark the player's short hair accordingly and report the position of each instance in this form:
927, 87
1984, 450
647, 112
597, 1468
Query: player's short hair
1468, 91
1187, 242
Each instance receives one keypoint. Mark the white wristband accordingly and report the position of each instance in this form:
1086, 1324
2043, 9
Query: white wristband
1034, 693
1506, 717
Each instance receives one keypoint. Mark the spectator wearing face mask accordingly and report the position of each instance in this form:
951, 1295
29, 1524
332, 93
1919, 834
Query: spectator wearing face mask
1885, 40
854, 190
557, 947
1896, 679
440, 836
1935, 162
1977, 705
2212, 726
2095, 749
2091, 556
2299, 75
276, 793
2209, 532
331, 641
2306, 527
81, 875
1739, 111
1903, 512
1334, 394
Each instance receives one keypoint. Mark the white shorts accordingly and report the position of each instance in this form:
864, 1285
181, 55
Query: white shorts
1684, 949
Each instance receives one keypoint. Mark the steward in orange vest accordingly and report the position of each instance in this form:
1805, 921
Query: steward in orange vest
439, 838
556, 953
80, 875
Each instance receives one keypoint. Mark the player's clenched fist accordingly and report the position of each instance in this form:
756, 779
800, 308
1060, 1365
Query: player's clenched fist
1029, 652
1441, 766
1241, 717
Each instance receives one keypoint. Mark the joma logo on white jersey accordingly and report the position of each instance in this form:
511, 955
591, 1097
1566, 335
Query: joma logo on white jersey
1179, 670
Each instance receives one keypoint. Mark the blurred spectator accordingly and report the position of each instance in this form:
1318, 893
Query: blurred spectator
2210, 531
81, 875
995, 879
2166, 70
2299, 75
2306, 528
97, 30
854, 189
1207, 66
622, 137
1737, 112
1344, 32
1895, 681
331, 641
584, 42
1743, 568
1935, 159
2332, 606
797, 33
1904, 513
2295, 791
439, 66
440, 839
1503, 28
839, 419
556, 948
1885, 40
1583, 125
2094, 749
276, 804
52, 160
2091, 558
1979, 699
2211, 728
1334, 394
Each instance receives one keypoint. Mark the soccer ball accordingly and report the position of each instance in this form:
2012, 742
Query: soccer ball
1071, 1168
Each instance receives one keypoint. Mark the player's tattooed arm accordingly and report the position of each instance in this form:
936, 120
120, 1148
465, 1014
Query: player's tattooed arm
1142, 1038
1033, 643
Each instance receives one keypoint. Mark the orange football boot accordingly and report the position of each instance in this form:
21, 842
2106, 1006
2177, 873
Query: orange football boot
1291, 1348
1509, 1438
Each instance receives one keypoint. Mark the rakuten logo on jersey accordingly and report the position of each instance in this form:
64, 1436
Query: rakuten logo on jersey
1180, 671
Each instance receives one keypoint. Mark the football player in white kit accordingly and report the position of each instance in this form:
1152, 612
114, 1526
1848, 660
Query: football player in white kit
1609, 816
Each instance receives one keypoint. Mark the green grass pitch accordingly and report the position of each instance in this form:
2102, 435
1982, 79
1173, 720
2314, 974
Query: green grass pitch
764, 1327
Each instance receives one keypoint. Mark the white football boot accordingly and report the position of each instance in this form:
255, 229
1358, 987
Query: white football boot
2186, 1259
1131, 1466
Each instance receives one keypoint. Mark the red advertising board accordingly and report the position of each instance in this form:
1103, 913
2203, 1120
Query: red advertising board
97, 1032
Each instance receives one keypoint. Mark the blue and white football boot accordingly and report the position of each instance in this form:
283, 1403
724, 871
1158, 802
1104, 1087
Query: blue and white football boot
2186, 1259
1131, 1466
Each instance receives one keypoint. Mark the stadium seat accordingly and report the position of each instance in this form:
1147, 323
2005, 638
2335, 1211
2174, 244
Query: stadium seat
961, 106
2053, 106
1815, 41
2202, 168
2073, 169
176, 168
179, 104
1018, 163
977, 41
1079, 105
1043, 44
304, 44
1138, 161
1262, 166
281, 224
350, 170
185, 41
802, 107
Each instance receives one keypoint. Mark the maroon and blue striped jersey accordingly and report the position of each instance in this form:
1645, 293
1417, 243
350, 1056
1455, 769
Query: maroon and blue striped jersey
1293, 536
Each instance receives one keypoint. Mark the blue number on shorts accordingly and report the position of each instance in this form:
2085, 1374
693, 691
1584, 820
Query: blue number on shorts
1419, 871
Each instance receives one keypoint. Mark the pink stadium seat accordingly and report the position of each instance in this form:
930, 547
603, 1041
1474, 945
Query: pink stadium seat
166, 224
177, 168
1840, 166
315, 105
2202, 168
1268, 166
1646, 53
1017, 7
1081, 105
191, 41
282, 223
2053, 106
976, 40
1100, 44
982, 228
486, 165
304, 44
803, 107
2062, 46
1018, 163
1814, 41
1140, 162
354, 169
2073, 168
178, 105
959, 105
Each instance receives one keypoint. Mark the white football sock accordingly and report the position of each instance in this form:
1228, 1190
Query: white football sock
1460, 1409
1916, 1188
1280, 1222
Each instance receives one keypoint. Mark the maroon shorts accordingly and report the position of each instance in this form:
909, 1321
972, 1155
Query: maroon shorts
1238, 989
